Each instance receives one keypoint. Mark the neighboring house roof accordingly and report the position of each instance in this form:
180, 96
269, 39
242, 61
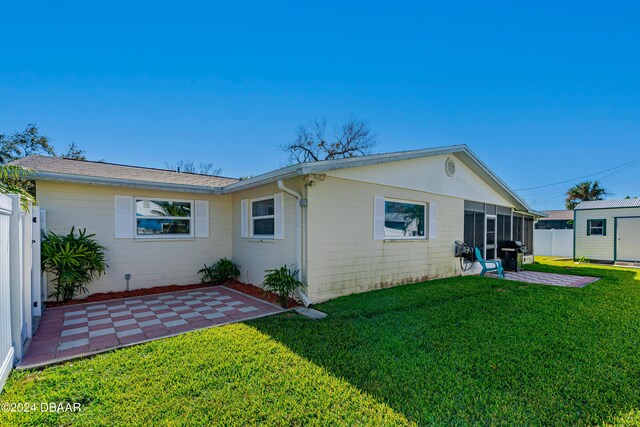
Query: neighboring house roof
607, 204
558, 215
83, 171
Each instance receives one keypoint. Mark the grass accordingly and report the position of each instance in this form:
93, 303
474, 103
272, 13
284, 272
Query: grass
453, 351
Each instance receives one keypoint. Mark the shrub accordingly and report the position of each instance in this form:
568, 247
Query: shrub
283, 282
222, 271
74, 260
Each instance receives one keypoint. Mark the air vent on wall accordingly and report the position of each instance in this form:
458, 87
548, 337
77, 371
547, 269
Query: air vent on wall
449, 166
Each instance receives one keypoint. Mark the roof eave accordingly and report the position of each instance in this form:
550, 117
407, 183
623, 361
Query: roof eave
116, 182
329, 165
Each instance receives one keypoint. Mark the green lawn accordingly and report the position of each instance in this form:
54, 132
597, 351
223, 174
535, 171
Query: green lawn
453, 351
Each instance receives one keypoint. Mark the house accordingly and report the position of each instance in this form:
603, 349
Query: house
556, 220
349, 225
607, 231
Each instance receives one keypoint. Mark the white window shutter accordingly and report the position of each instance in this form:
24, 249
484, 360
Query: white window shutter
378, 218
201, 219
244, 218
124, 217
433, 220
279, 216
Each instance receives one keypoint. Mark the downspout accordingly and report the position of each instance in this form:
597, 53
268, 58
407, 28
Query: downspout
303, 297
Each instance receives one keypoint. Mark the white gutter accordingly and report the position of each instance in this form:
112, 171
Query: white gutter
305, 299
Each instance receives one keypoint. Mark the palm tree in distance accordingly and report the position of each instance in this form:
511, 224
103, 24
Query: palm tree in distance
584, 192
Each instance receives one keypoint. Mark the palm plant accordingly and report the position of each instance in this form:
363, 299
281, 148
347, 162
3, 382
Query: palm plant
283, 281
171, 209
73, 259
584, 192
11, 182
222, 271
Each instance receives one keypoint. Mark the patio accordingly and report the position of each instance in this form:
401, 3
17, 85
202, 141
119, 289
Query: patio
76, 330
566, 280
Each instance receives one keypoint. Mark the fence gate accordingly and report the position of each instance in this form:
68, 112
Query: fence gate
6, 349
18, 265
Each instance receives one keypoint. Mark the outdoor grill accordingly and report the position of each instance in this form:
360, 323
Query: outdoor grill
513, 251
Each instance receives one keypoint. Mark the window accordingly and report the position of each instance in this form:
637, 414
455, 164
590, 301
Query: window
163, 218
404, 220
263, 217
596, 227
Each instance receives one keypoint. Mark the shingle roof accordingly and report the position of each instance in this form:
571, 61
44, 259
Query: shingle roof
558, 215
604, 204
84, 168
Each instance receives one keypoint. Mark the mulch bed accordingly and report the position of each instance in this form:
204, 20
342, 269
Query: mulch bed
257, 292
254, 291
106, 296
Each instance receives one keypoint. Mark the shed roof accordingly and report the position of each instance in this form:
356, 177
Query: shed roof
608, 204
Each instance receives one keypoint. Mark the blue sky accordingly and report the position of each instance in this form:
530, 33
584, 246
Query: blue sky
543, 92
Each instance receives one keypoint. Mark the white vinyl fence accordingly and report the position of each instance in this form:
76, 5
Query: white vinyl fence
553, 242
19, 298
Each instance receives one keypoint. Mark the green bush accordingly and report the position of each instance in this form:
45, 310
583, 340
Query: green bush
74, 260
222, 271
283, 282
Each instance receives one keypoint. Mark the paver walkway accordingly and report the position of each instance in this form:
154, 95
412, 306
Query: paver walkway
71, 331
553, 279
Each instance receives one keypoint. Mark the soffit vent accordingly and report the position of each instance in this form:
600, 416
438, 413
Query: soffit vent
449, 166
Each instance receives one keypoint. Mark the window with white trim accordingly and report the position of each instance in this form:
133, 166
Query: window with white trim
404, 219
162, 218
263, 217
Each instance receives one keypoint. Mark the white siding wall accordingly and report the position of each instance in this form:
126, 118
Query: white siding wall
342, 256
600, 248
150, 262
254, 255
427, 174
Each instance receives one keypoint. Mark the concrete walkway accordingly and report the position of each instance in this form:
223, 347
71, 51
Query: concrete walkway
76, 330
567, 280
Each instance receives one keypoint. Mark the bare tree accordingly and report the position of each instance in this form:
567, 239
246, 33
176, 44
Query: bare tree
74, 152
189, 166
353, 138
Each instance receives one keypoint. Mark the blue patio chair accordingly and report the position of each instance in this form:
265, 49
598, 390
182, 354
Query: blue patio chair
491, 265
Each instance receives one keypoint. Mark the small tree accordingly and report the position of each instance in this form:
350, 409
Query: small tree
74, 260
584, 192
353, 138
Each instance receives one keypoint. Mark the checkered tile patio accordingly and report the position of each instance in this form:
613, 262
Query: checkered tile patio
541, 278
70, 331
